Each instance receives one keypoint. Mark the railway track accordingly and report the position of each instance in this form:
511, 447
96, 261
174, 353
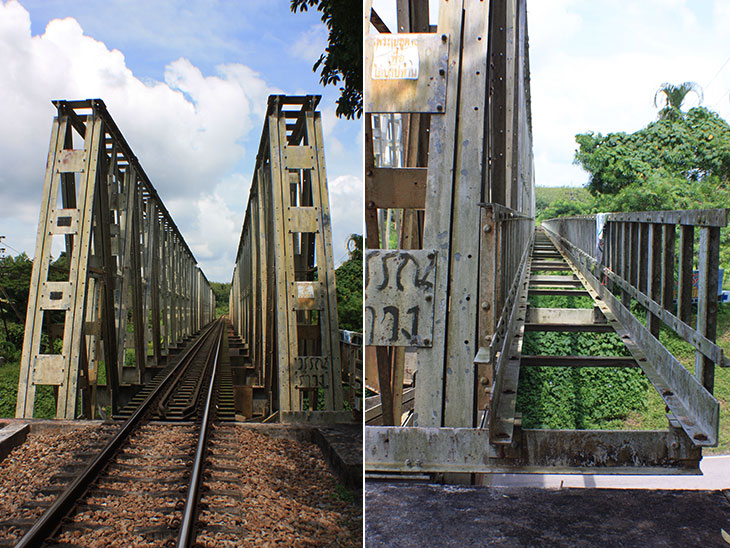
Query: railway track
138, 483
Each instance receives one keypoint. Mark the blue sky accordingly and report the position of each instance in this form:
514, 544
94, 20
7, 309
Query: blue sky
596, 65
186, 82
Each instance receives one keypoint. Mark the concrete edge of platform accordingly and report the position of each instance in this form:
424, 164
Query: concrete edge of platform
11, 436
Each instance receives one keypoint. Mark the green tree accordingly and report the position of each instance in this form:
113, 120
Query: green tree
674, 96
691, 147
15, 281
349, 287
342, 58
221, 292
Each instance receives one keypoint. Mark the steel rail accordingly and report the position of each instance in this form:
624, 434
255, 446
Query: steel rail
186, 536
49, 521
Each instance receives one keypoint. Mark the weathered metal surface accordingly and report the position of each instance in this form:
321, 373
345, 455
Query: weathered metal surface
399, 290
607, 451
109, 218
396, 187
282, 301
418, 450
568, 316
406, 73
695, 408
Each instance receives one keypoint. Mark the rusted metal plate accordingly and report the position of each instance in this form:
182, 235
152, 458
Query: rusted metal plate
406, 73
65, 221
303, 219
399, 304
308, 295
396, 187
69, 161
55, 296
299, 157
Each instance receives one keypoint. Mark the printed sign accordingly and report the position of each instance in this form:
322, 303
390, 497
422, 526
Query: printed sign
395, 58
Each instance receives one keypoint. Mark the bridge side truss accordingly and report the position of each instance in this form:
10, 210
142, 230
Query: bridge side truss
283, 300
128, 290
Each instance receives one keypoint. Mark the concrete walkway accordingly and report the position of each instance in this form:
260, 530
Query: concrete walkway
715, 476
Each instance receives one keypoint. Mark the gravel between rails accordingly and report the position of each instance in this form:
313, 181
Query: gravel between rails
286, 496
139, 505
32, 466
258, 491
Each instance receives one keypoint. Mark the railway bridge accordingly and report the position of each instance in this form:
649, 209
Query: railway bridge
126, 331
455, 268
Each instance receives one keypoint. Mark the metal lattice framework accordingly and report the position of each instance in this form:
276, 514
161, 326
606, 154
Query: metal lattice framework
283, 301
130, 290
449, 166
454, 134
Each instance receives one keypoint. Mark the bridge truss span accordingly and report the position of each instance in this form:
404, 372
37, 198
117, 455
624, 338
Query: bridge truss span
129, 291
283, 300
449, 166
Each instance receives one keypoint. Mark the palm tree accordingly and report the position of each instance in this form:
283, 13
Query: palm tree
674, 96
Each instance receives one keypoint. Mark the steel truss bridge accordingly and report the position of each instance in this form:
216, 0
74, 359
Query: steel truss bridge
129, 297
449, 169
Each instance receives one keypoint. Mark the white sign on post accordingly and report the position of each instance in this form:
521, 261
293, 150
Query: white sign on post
395, 58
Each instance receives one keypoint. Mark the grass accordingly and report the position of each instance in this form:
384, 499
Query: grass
45, 404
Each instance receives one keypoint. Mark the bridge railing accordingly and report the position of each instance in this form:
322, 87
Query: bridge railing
637, 258
131, 284
506, 242
283, 300
351, 354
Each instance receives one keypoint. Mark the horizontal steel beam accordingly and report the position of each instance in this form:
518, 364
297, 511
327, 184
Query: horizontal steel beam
560, 292
693, 217
433, 450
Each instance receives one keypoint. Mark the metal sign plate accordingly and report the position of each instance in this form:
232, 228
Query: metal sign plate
406, 73
399, 297
395, 58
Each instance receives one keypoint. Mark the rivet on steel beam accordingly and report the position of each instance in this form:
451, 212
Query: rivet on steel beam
487, 228
439, 108
485, 305
442, 72
444, 38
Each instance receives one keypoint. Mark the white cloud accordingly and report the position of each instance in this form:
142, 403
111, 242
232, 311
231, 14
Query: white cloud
188, 132
346, 211
310, 44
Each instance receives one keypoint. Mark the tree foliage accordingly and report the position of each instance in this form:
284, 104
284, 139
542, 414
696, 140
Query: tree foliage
342, 58
15, 280
674, 96
349, 287
221, 292
692, 147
